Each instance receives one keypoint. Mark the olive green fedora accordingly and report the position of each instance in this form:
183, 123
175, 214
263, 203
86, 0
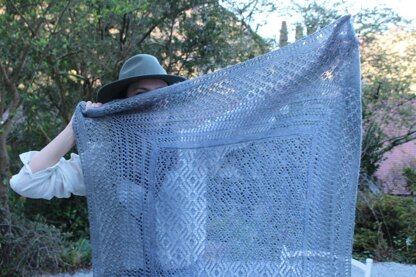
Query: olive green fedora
141, 66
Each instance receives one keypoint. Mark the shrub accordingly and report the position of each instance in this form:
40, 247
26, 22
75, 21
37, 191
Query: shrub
410, 175
385, 228
78, 253
30, 247
36, 247
68, 214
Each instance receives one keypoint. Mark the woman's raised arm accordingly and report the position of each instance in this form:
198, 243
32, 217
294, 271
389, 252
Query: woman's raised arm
57, 148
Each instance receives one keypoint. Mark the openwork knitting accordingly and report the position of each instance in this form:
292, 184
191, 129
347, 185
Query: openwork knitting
248, 171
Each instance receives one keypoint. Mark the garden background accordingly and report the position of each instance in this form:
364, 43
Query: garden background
54, 54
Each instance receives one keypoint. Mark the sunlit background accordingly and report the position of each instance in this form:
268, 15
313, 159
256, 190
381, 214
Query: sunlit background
268, 23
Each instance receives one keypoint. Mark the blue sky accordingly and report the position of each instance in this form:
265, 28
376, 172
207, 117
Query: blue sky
272, 21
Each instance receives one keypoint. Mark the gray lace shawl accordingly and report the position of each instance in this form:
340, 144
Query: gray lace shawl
248, 171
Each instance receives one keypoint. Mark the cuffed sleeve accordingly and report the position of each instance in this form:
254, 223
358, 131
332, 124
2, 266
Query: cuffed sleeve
59, 180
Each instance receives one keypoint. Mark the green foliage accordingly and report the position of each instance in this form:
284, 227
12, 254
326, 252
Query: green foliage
78, 253
68, 214
385, 228
82, 44
372, 149
410, 175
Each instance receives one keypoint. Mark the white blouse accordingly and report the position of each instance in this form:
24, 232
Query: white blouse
59, 180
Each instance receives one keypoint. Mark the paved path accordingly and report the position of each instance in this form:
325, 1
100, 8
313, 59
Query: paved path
389, 270
379, 270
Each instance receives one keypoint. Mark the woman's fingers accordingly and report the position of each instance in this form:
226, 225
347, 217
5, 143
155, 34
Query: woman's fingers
93, 105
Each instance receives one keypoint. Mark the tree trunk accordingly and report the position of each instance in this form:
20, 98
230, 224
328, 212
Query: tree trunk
5, 217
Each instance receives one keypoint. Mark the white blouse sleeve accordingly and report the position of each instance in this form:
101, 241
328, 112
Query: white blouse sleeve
59, 180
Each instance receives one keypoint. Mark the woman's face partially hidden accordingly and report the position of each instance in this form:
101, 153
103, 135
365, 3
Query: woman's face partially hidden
144, 85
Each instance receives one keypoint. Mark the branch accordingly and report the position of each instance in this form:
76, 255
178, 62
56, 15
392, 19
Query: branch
161, 19
169, 45
60, 17
8, 123
24, 19
25, 51
398, 140
16, 100
41, 129
67, 54
4, 74
145, 35
55, 76
20, 64
124, 32
57, 106
183, 63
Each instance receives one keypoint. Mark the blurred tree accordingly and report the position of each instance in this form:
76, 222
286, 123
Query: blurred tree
23, 31
318, 14
389, 96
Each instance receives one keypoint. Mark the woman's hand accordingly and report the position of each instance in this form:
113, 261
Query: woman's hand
88, 106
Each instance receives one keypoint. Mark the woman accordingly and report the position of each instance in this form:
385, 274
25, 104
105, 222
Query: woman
46, 174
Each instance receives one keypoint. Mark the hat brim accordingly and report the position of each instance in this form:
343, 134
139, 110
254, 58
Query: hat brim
116, 89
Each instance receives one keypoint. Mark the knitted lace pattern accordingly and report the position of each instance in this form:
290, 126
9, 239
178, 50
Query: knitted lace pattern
248, 171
